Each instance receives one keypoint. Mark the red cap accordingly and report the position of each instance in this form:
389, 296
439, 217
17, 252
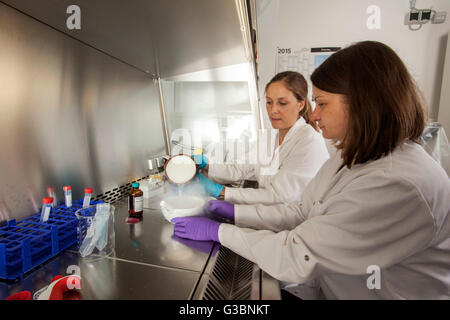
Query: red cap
65, 188
50, 189
47, 200
88, 190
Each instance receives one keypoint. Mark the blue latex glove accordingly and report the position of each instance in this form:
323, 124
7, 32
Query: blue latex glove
196, 228
201, 160
212, 188
222, 209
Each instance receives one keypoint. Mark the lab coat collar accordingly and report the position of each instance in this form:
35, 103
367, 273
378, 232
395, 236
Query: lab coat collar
381, 163
299, 123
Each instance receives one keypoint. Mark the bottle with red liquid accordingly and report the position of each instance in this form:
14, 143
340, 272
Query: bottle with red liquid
135, 201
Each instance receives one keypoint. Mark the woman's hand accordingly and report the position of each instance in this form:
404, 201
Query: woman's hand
223, 209
196, 228
212, 188
202, 161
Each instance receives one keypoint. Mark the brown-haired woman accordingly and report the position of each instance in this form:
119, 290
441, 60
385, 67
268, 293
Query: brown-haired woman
299, 150
374, 223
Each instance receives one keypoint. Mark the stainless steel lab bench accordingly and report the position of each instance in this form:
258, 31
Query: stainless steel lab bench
150, 263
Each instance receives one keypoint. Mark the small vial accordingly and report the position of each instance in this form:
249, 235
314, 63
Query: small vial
68, 196
87, 197
51, 192
46, 207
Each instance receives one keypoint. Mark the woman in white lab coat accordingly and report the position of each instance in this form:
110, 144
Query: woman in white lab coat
374, 223
296, 155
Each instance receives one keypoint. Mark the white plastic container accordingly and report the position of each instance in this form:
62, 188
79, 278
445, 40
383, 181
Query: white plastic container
182, 206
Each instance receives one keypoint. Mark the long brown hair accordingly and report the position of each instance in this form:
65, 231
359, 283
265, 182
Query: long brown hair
385, 106
297, 84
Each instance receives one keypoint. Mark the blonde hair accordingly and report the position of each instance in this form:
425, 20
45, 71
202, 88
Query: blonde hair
297, 84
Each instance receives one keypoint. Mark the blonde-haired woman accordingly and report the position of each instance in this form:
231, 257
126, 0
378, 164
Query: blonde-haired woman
299, 151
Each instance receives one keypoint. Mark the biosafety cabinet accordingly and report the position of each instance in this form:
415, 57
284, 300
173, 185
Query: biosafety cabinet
96, 93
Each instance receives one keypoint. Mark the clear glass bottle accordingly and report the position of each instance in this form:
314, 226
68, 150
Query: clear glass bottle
135, 201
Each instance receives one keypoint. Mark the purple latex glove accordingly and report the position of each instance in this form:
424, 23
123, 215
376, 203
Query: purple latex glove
222, 209
202, 246
196, 228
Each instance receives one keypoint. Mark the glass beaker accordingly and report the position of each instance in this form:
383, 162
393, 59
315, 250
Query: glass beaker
95, 230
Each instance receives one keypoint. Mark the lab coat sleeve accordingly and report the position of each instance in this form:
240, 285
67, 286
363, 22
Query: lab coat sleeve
228, 173
287, 184
265, 217
374, 221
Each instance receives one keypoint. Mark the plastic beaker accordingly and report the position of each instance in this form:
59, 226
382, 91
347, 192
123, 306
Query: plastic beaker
95, 230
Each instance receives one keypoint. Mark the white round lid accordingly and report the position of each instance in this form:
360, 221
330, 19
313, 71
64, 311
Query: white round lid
180, 169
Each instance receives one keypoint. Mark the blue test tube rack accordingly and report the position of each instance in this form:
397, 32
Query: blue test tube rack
26, 244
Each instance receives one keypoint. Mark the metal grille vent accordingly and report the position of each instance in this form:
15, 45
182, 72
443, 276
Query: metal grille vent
116, 194
231, 278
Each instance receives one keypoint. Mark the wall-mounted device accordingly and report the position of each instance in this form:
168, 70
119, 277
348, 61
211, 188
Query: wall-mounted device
422, 16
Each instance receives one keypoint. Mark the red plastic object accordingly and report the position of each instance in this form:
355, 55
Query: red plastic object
132, 220
61, 287
66, 188
47, 200
22, 295
88, 190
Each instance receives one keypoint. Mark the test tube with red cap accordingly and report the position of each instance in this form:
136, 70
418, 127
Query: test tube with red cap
46, 207
51, 192
68, 195
87, 197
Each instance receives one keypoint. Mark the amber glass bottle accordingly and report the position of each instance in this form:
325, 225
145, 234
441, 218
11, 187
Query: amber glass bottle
135, 201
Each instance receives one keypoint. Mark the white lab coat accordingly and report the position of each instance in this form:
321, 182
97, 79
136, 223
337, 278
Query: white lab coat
283, 179
392, 213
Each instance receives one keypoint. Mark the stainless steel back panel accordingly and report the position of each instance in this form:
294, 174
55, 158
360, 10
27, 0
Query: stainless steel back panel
160, 37
195, 35
69, 115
